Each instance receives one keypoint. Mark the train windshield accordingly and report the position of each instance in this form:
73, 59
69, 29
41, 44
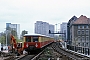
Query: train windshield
28, 39
35, 39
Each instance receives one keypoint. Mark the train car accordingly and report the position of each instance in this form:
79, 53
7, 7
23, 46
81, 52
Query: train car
36, 41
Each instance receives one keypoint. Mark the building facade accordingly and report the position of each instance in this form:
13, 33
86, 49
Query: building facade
69, 30
51, 28
80, 32
15, 27
43, 28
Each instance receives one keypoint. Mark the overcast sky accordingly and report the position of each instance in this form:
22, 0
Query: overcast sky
27, 12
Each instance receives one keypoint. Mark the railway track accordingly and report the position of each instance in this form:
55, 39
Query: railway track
38, 56
55, 52
69, 55
50, 54
7, 56
31, 57
27, 57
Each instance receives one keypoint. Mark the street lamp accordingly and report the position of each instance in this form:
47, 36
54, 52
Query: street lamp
6, 37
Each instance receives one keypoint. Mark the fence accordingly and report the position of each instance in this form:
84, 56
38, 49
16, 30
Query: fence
79, 49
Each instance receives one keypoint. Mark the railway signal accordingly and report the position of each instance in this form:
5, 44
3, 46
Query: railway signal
59, 33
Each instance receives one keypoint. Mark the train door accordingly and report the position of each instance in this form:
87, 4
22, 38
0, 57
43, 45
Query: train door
42, 43
39, 40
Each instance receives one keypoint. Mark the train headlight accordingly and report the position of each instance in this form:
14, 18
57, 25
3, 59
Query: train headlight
27, 44
36, 45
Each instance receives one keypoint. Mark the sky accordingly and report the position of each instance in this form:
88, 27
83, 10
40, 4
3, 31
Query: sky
27, 12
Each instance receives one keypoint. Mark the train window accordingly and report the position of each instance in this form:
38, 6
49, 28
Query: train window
35, 39
28, 39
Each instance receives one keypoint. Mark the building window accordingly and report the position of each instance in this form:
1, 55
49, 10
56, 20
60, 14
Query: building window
87, 32
87, 44
87, 38
82, 44
83, 39
78, 27
82, 27
79, 39
83, 32
87, 26
78, 32
78, 44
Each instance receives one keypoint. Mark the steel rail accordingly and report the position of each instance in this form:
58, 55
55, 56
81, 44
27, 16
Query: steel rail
67, 53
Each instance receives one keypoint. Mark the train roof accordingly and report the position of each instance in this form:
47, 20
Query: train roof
36, 35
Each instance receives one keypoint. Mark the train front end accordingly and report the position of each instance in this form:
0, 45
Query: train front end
31, 43
35, 42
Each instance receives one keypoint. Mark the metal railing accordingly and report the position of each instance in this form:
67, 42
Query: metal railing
79, 49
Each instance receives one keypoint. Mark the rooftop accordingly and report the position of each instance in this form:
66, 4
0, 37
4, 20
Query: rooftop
82, 20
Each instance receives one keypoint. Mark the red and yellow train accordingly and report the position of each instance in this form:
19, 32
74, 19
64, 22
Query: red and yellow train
36, 41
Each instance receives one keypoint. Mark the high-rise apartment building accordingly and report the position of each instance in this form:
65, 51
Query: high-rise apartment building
43, 28
51, 28
63, 29
15, 27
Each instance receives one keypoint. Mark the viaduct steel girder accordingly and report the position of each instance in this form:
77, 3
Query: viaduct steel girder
55, 33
